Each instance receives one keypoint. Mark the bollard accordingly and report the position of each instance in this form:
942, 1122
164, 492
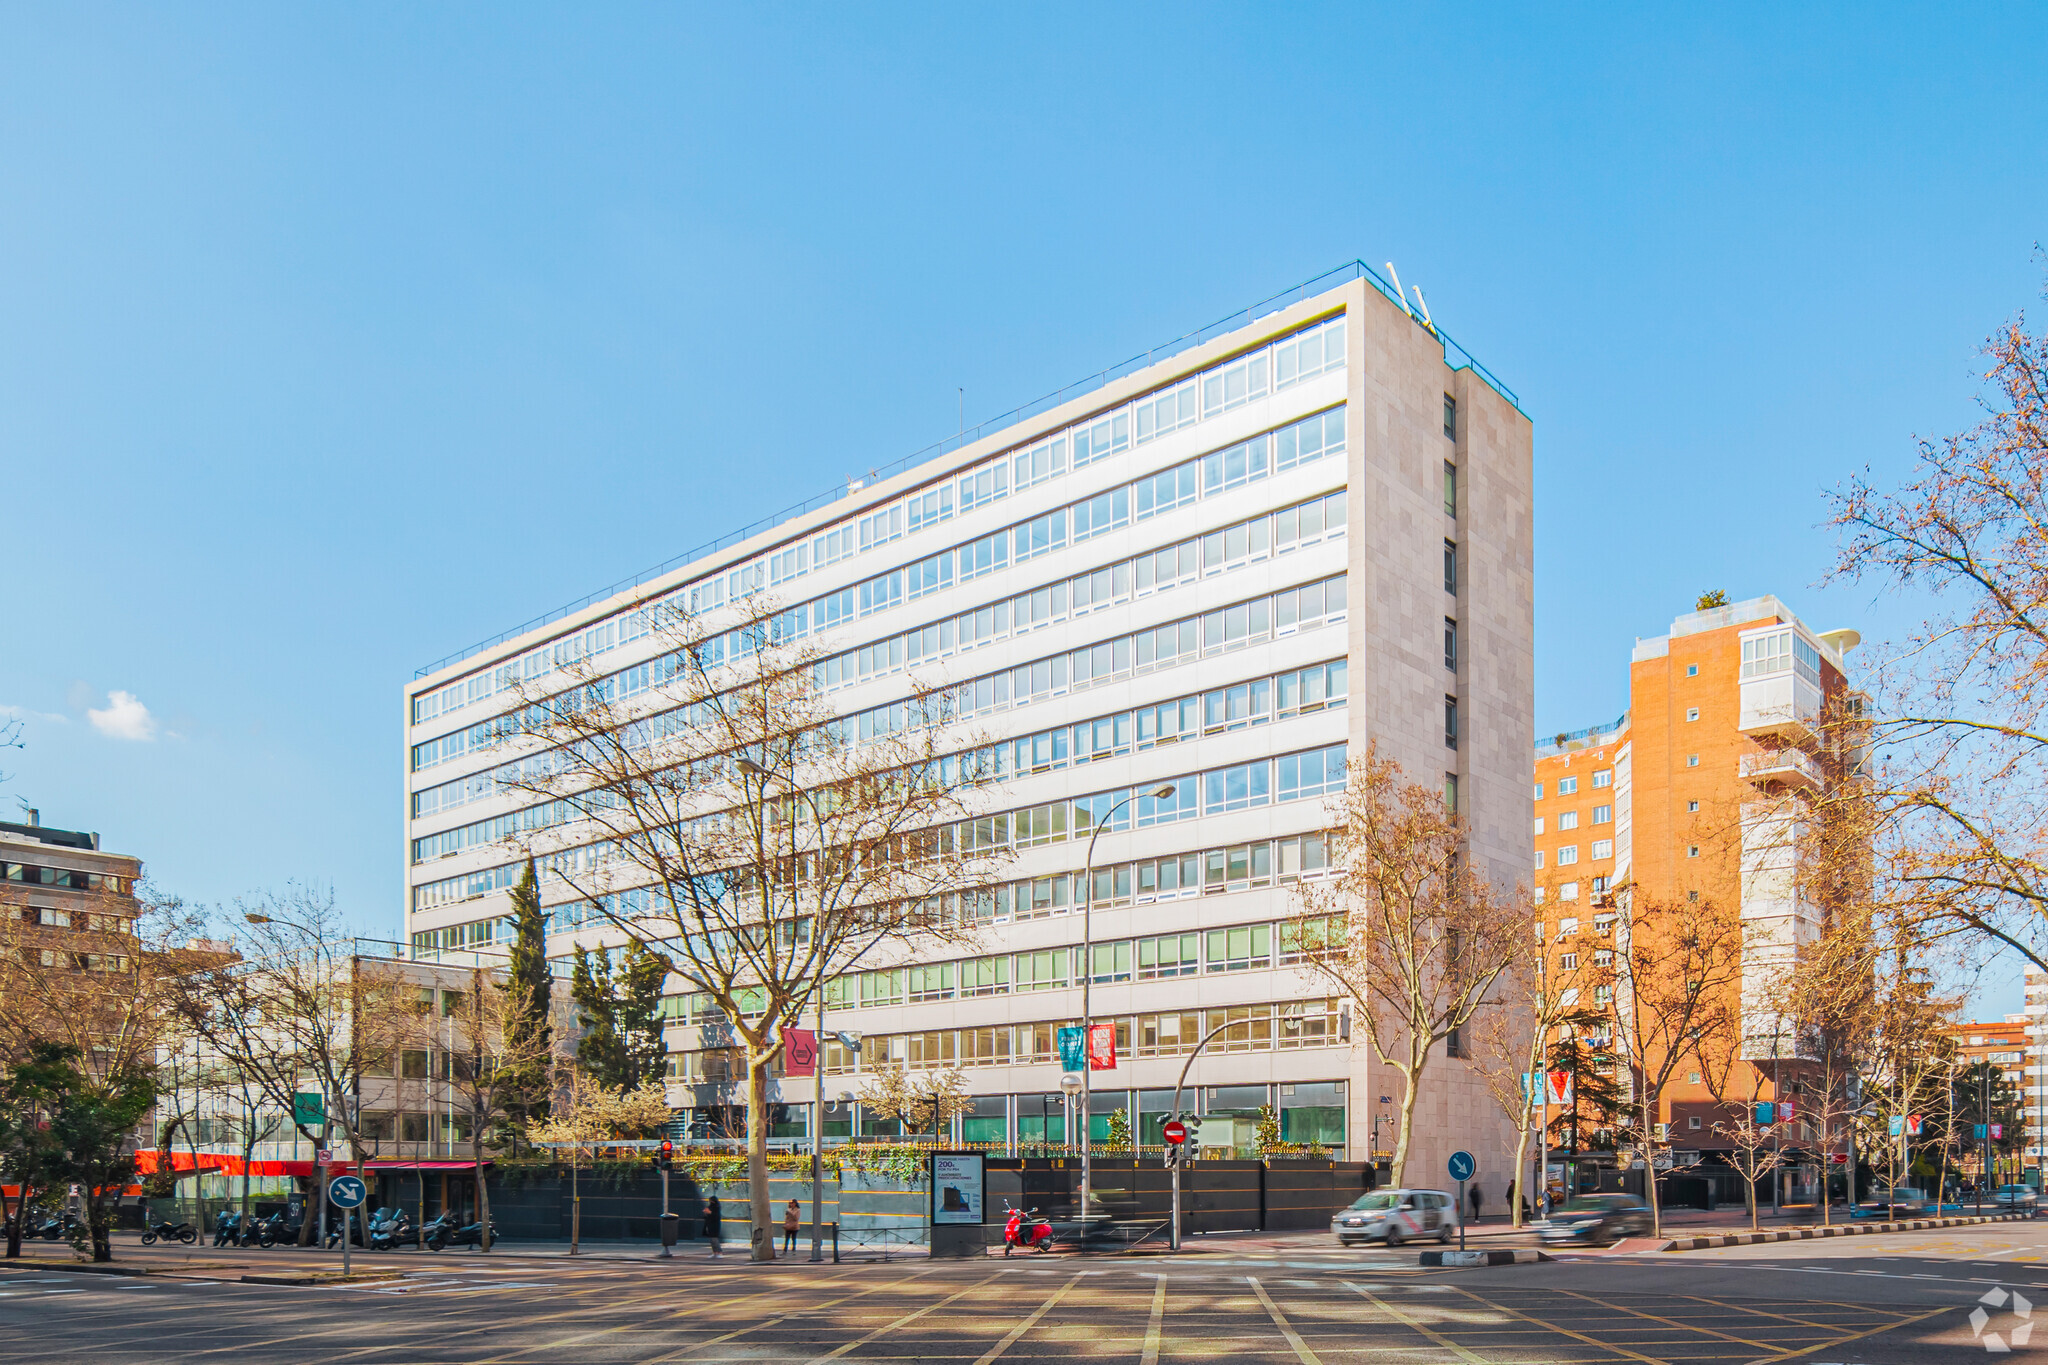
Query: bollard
835, 1242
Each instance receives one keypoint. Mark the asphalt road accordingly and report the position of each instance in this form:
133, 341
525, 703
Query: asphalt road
1903, 1298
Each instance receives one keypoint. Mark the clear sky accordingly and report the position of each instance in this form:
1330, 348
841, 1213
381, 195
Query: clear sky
336, 338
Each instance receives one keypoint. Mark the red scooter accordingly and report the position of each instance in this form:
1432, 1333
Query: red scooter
1033, 1235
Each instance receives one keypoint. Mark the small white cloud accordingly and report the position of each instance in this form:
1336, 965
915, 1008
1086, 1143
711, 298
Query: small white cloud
123, 718
24, 713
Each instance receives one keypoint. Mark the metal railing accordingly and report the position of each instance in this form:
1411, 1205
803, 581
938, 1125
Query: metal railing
1559, 742
1456, 356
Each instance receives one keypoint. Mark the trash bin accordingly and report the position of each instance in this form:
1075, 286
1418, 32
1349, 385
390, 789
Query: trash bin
670, 1222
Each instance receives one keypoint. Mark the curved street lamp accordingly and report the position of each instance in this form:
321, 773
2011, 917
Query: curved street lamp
1158, 793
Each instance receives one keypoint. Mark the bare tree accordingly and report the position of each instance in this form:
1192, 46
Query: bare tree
495, 1051
1535, 997
1959, 812
728, 819
1424, 939
298, 1004
88, 993
1678, 978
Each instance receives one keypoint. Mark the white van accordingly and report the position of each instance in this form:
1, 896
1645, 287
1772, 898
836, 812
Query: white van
1396, 1216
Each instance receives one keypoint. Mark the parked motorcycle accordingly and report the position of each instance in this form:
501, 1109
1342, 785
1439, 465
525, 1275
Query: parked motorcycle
226, 1228
55, 1227
449, 1232
274, 1230
1027, 1229
165, 1230
389, 1228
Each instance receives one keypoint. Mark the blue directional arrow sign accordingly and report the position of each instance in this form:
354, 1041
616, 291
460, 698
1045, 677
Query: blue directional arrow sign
346, 1192
1462, 1165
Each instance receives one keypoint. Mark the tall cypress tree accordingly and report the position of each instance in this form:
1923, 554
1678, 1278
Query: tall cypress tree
601, 1051
640, 978
533, 986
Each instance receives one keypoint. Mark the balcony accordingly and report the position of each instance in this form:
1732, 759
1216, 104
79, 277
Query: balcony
1785, 708
1790, 769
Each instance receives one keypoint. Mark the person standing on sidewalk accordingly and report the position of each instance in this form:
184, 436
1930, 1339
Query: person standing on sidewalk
792, 1219
1475, 1201
714, 1231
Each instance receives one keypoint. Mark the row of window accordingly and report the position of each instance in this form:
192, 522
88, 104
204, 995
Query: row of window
1265, 1027
1569, 891
1568, 854
1216, 552
1263, 781
1273, 368
48, 917
1567, 786
1601, 815
28, 874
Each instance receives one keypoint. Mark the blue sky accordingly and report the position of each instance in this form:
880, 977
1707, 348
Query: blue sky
333, 339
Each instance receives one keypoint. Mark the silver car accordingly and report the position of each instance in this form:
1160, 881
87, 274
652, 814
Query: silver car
1396, 1216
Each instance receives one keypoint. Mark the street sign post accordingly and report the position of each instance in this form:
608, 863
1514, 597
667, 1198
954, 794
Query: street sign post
346, 1192
1462, 1167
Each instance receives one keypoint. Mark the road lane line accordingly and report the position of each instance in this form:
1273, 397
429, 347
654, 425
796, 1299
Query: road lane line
1673, 1322
1301, 1349
1021, 1328
903, 1321
1151, 1356
1561, 1331
1470, 1357
1830, 1344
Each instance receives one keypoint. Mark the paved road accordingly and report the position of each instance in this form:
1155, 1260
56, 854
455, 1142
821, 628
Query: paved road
1857, 1301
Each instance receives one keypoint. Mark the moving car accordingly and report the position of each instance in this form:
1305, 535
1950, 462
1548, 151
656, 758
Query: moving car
1395, 1216
1900, 1201
2018, 1198
1592, 1218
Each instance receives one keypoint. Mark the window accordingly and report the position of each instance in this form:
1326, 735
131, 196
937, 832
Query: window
1043, 461
1102, 513
1692, 760
1539, 791
1450, 722
1248, 784
1450, 417
1692, 1121
1539, 824
1450, 644
1603, 848
1692, 713
1692, 1078
1451, 566
1169, 955
1166, 490
1692, 805
1567, 855
1568, 819
1569, 892
1603, 815
1568, 962
1450, 489
1240, 464
1451, 792
1692, 670
1764, 654
1235, 950
1566, 786
1539, 858
1692, 850
1600, 885
1568, 927
1454, 1043
1604, 778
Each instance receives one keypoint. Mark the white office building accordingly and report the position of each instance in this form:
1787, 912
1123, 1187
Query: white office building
1228, 568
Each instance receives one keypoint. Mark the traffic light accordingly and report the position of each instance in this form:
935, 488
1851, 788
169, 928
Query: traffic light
666, 1161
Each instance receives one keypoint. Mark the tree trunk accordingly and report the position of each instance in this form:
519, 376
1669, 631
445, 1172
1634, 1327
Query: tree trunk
1521, 1169
14, 1219
248, 1154
483, 1195
1411, 1080
1650, 1166
763, 1240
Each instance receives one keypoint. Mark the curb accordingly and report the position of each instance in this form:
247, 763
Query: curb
359, 1277
1452, 1259
1855, 1230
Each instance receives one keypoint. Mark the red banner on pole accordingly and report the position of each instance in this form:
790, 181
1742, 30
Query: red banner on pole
1102, 1047
799, 1052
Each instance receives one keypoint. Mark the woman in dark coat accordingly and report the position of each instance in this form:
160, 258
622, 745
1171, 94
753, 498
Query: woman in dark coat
713, 1232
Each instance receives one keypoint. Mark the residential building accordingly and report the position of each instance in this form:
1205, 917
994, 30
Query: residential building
1225, 568
57, 878
1703, 791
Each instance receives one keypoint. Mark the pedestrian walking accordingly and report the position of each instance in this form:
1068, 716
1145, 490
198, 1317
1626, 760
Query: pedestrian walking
1475, 1201
792, 1219
714, 1232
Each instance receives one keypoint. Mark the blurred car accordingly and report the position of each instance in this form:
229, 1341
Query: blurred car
2018, 1198
1394, 1216
1587, 1219
1900, 1201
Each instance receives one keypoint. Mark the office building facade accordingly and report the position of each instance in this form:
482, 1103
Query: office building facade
1228, 570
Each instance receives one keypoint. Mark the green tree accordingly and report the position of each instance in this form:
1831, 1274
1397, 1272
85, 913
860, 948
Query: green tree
28, 1155
92, 1116
531, 1032
618, 1005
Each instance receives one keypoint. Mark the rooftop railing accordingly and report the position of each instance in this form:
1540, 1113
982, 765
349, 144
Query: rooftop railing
1580, 739
1456, 356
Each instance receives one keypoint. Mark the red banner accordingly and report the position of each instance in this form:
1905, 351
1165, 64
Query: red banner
1102, 1047
799, 1052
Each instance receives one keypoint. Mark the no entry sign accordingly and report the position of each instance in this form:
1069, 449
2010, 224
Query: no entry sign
1175, 1132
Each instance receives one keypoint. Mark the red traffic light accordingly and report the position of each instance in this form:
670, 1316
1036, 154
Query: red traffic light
667, 1148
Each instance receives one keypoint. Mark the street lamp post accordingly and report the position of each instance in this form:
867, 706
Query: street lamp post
1160, 793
